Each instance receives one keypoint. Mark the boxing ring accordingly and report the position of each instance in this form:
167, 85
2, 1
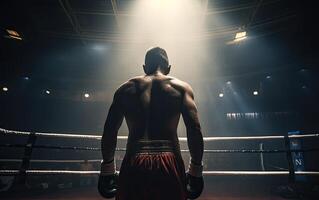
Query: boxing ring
25, 171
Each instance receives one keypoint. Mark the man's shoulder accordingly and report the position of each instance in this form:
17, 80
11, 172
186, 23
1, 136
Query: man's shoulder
124, 87
136, 79
179, 83
129, 84
140, 80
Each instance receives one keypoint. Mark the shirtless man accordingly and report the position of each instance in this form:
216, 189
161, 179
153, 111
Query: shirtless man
152, 167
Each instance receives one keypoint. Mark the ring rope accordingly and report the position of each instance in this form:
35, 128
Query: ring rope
219, 173
53, 161
182, 150
52, 147
23, 172
97, 137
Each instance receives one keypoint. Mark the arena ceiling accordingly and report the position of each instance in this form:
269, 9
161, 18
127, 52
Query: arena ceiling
100, 20
284, 29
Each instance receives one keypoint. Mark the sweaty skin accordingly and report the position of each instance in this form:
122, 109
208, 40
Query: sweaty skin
152, 105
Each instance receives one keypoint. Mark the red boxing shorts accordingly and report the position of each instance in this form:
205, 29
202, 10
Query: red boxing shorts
152, 172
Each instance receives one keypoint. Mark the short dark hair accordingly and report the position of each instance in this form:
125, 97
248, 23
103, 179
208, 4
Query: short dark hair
156, 57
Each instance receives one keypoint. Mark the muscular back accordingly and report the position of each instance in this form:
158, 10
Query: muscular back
152, 106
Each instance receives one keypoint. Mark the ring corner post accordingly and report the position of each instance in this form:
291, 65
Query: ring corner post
19, 182
291, 168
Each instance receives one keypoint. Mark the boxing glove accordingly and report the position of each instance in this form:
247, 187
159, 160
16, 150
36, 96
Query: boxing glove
194, 181
108, 180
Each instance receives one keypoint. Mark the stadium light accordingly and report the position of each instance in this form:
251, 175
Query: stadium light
86, 95
13, 34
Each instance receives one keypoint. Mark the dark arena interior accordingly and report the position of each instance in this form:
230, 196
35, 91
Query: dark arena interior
253, 66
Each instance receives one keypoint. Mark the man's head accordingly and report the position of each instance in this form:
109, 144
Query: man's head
156, 59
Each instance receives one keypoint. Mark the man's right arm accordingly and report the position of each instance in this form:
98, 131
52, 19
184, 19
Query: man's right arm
194, 134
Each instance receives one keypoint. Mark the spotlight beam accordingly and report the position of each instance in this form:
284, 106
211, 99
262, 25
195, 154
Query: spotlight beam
115, 11
205, 6
253, 14
72, 18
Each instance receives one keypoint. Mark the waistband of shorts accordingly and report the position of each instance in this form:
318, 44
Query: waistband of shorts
149, 146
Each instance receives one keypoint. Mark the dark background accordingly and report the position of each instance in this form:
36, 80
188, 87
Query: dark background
279, 60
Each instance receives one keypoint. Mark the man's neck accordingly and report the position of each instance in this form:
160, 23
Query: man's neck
157, 73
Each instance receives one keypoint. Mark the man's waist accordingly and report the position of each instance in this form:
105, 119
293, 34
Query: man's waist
152, 146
